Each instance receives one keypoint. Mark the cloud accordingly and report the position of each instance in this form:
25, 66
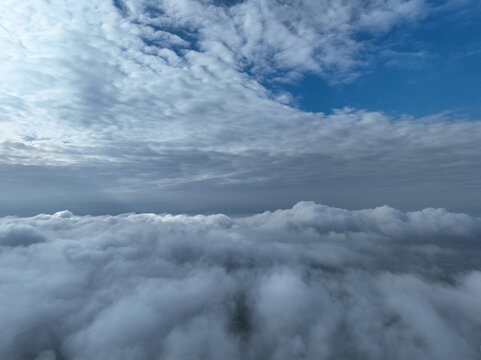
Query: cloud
128, 100
274, 156
299, 36
20, 236
308, 282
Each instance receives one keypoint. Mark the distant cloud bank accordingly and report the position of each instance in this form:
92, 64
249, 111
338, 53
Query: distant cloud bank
311, 282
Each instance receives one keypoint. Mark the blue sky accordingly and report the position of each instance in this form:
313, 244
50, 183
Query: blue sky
211, 106
438, 71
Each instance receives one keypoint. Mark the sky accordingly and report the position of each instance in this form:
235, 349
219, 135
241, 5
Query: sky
238, 106
258, 179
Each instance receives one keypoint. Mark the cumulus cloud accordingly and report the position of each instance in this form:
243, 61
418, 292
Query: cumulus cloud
19, 236
311, 282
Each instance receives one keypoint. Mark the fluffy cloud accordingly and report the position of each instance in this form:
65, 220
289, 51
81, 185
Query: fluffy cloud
298, 36
310, 282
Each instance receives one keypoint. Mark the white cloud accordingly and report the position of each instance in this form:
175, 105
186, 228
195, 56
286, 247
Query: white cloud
162, 95
83, 75
308, 282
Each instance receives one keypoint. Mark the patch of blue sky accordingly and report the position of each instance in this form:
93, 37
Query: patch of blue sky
119, 4
419, 70
189, 36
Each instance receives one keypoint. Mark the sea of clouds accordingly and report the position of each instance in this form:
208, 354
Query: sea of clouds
311, 282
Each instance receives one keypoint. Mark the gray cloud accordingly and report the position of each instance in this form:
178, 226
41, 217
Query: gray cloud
20, 236
350, 158
309, 282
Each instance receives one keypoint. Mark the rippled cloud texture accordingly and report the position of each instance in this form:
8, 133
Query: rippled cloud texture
108, 105
311, 282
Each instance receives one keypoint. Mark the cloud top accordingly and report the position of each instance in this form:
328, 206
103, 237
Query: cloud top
311, 282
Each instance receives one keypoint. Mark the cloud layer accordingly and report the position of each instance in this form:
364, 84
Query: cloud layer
139, 99
311, 282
